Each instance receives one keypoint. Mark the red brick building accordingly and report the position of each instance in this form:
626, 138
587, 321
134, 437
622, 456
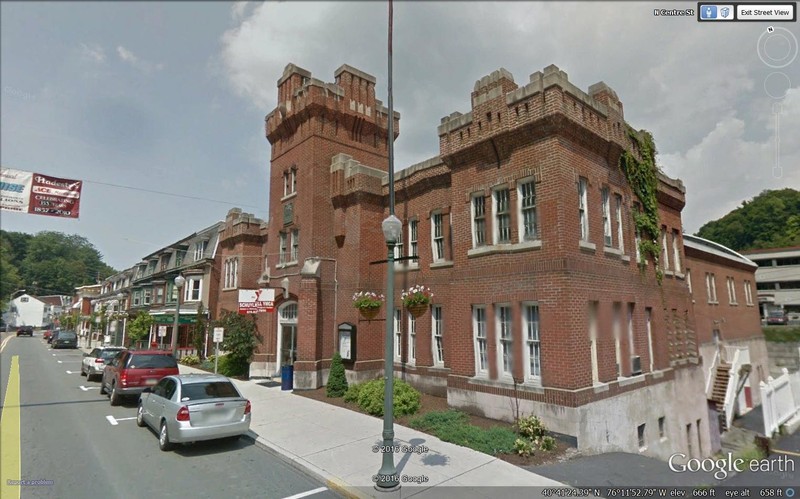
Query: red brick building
722, 284
522, 227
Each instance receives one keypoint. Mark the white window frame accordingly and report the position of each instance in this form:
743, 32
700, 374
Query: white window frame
283, 248
499, 215
398, 251
148, 295
522, 210
620, 228
412, 339
689, 279
648, 311
413, 232
711, 287
583, 208
480, 340
664, 250
531, 326
295, 250
437, 335
676, 252
289, 182
592, 313
504, 323
608, 239
616, 325
235, 272
398, 334
189, 289
478, 219
437, 236
631, 341
748, 293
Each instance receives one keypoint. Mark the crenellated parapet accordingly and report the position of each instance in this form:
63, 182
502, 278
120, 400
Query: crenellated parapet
548, 103
345, 109
241, 226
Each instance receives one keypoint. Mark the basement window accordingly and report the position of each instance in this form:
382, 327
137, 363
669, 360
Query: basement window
640, 431
661, 430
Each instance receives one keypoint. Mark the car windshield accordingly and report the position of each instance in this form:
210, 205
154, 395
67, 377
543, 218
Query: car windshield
108, 354
149, 361
208, 390
67, 336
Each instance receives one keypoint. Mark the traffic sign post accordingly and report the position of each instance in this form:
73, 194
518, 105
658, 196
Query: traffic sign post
218, 332
162, 332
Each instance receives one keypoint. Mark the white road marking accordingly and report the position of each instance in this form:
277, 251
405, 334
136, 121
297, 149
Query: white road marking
70, 372
114, 421
87, 388
306, 494
4, 343
60, 362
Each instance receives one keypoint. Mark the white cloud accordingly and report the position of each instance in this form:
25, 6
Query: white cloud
238, 10
129, 57
93, 53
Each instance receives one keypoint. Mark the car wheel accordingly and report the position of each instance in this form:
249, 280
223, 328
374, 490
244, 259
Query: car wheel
103, 387
140, 416
83, 372
163, 438
114, 395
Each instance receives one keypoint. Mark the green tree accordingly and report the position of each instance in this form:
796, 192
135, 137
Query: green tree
337, 381
139, 326
770, 220
10, 280
199, 330
240, 341
68, 321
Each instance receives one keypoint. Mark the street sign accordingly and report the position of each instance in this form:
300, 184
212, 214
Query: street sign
218, 331
252, 301
162, 331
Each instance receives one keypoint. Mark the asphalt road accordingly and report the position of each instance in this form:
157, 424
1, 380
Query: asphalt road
68, 442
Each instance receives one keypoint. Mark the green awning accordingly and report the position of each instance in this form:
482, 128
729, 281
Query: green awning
169, 319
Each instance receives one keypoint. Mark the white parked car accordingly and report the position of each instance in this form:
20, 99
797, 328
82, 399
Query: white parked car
193, 407
94, 361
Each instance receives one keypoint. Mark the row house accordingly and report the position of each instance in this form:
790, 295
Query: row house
83, 308
523, 227
110, 309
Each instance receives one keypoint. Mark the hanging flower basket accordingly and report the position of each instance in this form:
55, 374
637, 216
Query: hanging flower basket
368, 303
417, 299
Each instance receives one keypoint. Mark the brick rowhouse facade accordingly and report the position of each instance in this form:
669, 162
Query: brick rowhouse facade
522, 228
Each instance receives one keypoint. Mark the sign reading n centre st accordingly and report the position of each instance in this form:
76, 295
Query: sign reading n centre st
253, 301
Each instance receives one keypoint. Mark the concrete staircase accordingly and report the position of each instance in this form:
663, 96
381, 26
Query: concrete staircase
721, 380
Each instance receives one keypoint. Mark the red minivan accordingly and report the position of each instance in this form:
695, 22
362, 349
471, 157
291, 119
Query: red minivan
130, 372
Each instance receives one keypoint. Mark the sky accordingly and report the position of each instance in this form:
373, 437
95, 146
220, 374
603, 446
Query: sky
159, 107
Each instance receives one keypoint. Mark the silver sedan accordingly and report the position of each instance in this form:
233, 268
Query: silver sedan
193, 407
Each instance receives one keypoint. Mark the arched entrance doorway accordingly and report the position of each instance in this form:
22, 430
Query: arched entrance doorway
287, 335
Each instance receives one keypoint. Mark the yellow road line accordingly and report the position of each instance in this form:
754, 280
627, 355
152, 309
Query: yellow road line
10, 457
786, 452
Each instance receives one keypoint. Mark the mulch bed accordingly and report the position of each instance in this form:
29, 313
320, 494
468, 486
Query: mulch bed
430, 403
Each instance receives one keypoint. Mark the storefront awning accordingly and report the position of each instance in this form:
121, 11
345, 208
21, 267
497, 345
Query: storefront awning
170, 318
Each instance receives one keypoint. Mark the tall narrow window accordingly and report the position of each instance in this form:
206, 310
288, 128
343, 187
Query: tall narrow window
412, 240
398, 334
527, 196
664, 252
583, 205
438, 237
689, 279
502, 216
295, 244
398, 248
283, 249
637, 234
478, 221
593, 341
620, 243
648, 313
631, 345
676, 251
617, 326
479, 330
505, 339
533, 352
438, 335
607, 239
412, 339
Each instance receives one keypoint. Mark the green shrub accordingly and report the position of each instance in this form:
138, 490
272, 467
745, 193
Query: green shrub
406, 398
434, 421
231, 366
782, 334
337, 381
531, 427
523, 447
352, 393
211, 358
547, 443
190, 360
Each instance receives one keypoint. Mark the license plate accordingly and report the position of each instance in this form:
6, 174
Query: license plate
150, 381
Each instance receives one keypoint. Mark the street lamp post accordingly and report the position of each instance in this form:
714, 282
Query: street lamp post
179, 281
120, 298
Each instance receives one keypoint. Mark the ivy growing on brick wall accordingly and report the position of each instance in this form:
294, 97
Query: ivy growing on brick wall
641, 171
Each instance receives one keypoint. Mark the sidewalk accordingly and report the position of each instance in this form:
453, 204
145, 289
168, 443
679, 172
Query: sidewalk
335, 445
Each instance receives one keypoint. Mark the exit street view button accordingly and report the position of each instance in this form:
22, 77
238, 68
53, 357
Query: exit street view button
765, 12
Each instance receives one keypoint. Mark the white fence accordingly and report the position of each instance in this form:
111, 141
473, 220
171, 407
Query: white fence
780, 400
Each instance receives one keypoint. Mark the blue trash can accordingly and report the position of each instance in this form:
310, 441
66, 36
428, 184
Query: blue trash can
287, 377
